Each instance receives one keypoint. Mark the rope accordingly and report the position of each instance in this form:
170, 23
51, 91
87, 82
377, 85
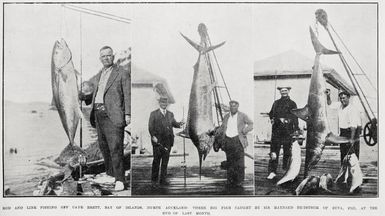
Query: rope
351, 77
81, 76
98, 14
219, 68
355, 60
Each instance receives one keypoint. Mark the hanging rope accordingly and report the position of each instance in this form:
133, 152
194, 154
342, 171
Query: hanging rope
98, 14
347, 49
352, 79
81, 76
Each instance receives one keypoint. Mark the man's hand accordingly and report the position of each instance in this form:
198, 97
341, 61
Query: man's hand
272, 121
154, 139
181, 123
128, 119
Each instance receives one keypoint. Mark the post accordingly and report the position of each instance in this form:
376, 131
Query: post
184, 154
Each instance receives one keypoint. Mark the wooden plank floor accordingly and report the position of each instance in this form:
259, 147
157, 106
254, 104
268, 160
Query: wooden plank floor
212, 182
329, 163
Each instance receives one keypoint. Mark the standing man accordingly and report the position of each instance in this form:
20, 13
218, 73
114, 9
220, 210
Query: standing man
160, 126
349, 123
235, 127
284, 124
111, 112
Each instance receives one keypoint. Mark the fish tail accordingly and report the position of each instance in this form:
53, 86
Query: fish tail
318, 47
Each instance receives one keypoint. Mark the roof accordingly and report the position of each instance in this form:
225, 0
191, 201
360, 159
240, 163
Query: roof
292, 64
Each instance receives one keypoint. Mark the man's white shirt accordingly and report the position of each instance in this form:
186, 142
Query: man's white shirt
348, 116
232, 126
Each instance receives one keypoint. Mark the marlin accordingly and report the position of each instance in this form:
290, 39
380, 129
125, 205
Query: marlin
315, 112
200, 124
65, 97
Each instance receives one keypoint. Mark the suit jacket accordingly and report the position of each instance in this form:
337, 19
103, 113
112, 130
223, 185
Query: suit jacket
117, 96
162, 126
244, 125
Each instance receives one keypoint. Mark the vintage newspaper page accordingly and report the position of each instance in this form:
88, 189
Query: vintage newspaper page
191, 108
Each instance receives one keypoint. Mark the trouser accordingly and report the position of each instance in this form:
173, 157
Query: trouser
110, 138
235, 157
346, 149
161, 154
275, 147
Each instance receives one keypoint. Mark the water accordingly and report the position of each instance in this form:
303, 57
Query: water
36, 132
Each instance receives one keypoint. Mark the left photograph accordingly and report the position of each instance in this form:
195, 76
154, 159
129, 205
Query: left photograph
67, 106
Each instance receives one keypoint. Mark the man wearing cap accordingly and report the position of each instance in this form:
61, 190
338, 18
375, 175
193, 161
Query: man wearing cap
284, 124
111, 111
160, 126
235, 127
349, 123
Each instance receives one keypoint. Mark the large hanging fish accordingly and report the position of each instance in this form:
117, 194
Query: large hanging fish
65, 97
200, 122
314, 113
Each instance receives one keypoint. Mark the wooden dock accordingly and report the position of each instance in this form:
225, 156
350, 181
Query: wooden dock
329, 163
212, 182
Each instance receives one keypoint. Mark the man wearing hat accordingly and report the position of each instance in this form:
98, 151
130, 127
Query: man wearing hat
160, 126
111, 111
235, 127
349, 123
284, 124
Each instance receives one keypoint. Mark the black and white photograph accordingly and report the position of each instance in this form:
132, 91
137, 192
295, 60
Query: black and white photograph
67, 99
192, 100
315, 92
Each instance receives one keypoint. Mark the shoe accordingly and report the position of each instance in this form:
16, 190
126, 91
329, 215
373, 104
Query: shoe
271, 176
164, 183
119, 186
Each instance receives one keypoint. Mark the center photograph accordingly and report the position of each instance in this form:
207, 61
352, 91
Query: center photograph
192, 100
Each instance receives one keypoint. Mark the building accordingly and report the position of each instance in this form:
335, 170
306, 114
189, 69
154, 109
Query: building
290, 69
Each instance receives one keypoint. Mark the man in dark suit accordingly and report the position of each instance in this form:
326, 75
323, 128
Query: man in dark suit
235, 127
284, 124
160, 126
111, 112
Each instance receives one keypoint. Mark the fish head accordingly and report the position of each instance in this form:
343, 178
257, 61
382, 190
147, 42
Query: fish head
205, 143
61, 54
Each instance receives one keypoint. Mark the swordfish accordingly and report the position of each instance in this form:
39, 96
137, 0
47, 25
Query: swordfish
315, 112
200, 124
65, 96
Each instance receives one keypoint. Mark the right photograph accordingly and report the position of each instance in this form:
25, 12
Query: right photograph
316, 100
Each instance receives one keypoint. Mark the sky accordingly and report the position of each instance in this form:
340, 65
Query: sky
30, 31
160, 49
251, 32
282, 27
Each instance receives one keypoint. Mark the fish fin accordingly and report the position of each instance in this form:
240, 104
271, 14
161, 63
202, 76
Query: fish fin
300, 187
208, 49
318, 47
63, 75
334, 139
198, 47
302, 113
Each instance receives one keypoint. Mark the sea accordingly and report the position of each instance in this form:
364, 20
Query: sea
33, 133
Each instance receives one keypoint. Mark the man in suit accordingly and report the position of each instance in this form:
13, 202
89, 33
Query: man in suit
235, 127
111, 112
160, 126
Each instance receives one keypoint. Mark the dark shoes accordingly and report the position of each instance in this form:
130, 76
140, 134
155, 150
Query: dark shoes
164, 183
